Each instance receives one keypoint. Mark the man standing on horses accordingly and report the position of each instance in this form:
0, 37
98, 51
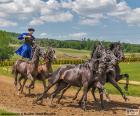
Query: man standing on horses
26, 49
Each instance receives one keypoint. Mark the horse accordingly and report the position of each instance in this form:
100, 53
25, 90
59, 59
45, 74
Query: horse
74, 76
27, 69
113, 71
80, 75
110, 73
118, 52
103, 64
44, 70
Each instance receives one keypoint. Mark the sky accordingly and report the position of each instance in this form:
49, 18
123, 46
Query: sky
109, 20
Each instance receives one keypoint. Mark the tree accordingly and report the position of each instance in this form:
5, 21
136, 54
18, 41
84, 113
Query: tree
5, 50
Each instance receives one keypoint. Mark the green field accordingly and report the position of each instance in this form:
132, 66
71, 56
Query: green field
132, 68
6, 113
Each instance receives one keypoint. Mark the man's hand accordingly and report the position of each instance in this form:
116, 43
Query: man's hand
27, 37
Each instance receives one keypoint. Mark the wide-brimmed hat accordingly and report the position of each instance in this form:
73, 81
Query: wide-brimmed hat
31, 29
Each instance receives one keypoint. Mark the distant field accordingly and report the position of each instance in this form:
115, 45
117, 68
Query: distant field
65, 53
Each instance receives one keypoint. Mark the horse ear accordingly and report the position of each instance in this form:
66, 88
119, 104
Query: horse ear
100, 43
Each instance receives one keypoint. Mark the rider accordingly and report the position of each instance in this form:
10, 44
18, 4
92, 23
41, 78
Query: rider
26, 49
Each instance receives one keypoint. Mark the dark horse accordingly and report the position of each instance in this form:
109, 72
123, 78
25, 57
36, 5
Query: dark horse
118, 52
27, 69
113, 70
107, 58
79, 75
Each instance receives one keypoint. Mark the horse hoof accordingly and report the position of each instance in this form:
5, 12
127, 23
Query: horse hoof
37, 102
108, 100
34, 102
126, 75
126, 99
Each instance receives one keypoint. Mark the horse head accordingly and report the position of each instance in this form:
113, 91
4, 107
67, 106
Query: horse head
50, 55
117, 50
98, 52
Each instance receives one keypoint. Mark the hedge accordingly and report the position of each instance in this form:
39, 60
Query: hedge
66, 61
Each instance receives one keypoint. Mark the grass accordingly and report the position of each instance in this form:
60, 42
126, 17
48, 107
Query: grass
133, 69
132, 89
6, 71
6, 113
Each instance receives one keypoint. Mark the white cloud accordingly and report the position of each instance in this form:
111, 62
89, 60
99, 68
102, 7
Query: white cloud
125, 13
78, 35
36, 22
6, 1
52, 11
90, 22
38, 12
7, 23
90, 9
43, 34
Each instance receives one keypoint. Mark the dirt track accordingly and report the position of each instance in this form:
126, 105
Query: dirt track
11, 102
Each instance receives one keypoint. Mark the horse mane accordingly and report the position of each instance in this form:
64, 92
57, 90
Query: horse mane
113, 45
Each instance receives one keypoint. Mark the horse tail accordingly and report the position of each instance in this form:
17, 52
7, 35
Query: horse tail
14, 68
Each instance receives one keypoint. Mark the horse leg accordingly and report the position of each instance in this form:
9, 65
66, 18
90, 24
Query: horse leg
19, 81
29, 76
119, 77
101, 97
24, 81
107, 95
85, 91
40, 98
114, 83
63, 91
60, 86
77, 93
93, 93
31, 86
15, 82
44, 84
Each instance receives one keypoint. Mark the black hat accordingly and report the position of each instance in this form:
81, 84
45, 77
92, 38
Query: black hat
31, 29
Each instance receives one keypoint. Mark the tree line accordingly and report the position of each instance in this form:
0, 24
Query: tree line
86, 44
